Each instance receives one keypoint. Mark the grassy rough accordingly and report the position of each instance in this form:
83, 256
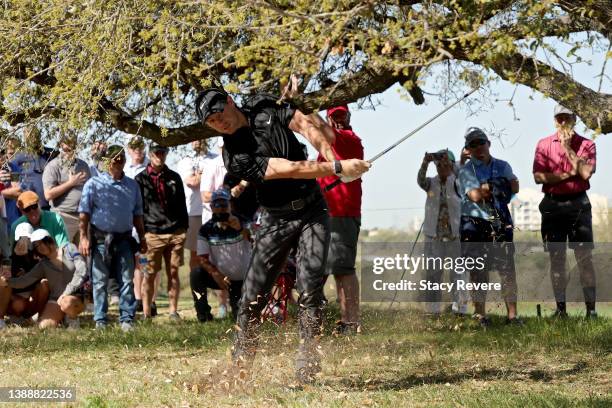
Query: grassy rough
403, 358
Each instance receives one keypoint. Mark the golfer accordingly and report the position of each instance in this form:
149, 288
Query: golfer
260, 147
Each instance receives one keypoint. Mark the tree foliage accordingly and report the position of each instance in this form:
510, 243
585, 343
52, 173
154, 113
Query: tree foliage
135, 66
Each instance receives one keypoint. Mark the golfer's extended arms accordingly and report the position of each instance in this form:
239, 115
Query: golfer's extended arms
320, 135
282, 168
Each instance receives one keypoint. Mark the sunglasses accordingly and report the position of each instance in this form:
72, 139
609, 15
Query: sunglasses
30, 208
475, 143
220, 204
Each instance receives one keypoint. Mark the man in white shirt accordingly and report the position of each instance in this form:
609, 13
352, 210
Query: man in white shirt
139, 162
138, 158
212, 180
190, 169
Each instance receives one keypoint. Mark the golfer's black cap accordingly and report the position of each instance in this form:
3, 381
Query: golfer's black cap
209, 101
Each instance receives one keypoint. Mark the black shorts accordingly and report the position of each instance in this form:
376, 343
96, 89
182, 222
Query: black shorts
566, 219
343, 245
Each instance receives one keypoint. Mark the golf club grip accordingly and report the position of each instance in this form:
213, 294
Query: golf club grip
332, 185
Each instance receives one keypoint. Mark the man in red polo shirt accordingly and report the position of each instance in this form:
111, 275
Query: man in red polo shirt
564, 162
344, 202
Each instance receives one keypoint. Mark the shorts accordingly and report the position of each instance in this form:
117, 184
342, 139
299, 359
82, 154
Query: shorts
343, 245
566, 219
161, 245
191, 240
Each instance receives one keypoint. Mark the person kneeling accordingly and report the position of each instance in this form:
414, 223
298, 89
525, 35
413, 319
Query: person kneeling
224, 253
66, 273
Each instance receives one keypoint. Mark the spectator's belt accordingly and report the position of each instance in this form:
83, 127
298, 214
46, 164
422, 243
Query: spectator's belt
296, 205
565, 197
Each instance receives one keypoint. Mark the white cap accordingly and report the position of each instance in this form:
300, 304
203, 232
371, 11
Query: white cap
39, 234
23, 230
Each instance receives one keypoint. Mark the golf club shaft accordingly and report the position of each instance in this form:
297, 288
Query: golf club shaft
394, 145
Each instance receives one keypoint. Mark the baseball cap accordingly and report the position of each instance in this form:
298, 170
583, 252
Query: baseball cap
562, 110
26, 199
209, 101
39, 235
220, 194
156, 147
23, 230
451, 156
136, 143
341, 108
113, 152
474, 133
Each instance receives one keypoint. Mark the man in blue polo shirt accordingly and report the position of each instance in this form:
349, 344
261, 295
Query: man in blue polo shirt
486, 186
110, 206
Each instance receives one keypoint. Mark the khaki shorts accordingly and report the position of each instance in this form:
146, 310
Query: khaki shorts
161, 246
71, 222
191, 242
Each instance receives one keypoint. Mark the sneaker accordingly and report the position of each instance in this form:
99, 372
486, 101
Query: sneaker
2, 324
222, 313
207, 318
346, 328
101, 325
591, 314
139, 305
560, 314
515, 321
72, 324
483, 321
153, 309
127, 327
174, 317
114, 300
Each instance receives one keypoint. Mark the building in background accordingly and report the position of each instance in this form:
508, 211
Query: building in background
526, 215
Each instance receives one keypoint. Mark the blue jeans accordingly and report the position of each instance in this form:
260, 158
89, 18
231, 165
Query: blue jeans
122, 269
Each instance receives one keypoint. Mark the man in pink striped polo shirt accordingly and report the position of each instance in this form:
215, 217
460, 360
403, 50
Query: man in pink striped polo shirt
564, 162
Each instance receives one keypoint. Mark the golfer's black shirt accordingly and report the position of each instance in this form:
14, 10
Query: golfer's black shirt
247, 152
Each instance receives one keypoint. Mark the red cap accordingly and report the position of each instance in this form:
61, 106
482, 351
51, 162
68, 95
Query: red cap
331, 111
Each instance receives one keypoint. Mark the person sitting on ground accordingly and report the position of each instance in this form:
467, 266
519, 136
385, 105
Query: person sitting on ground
66, 271
224, 257
22, 304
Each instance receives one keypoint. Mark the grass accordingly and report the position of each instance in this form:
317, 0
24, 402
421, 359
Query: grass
403, 358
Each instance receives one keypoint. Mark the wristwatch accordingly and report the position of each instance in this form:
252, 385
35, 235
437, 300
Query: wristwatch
337, 167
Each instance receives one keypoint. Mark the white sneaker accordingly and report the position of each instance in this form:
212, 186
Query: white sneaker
2, 324
72, 324
127, 327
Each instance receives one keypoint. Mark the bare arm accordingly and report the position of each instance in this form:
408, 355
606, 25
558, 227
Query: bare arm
514, 185
84, 233
550, 178
320, 135
193, 181
13, 191
214, 272
422, 180
61, 189
206, 196
281, 168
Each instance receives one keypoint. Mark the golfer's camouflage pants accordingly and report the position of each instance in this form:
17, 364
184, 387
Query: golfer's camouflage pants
307, 231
